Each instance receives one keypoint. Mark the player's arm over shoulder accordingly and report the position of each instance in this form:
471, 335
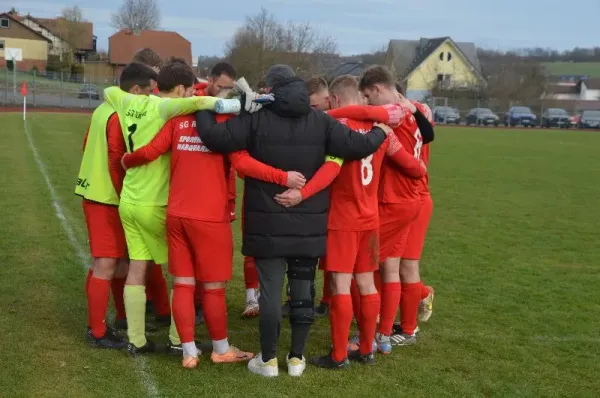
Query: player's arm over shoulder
172, 107
343, 142
231, 136
118, 99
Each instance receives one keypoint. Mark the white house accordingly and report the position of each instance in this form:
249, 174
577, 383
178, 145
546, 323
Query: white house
584, 90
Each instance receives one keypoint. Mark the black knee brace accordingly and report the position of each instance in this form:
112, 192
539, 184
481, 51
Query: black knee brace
301, 290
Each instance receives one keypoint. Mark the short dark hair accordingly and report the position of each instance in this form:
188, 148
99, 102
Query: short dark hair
176, 59
136, 74
149, 57
316, 84
376, 75
223, 68
175, 73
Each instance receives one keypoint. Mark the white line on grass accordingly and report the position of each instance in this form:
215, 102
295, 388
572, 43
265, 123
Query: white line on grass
141, 368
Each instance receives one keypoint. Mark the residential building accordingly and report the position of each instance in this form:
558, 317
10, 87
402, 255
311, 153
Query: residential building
66, 38
16, 35
123, 45
583, 90
424, 64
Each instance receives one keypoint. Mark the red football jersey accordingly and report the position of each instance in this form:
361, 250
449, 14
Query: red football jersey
353, 203
199, 178
395, 187
424, 182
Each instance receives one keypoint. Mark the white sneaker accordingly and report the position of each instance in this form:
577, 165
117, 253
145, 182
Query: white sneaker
268, 369
295, 366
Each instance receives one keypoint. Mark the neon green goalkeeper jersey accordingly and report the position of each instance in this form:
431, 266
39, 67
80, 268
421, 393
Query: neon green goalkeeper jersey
141, 119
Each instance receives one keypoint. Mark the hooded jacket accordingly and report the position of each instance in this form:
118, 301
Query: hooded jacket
287, 134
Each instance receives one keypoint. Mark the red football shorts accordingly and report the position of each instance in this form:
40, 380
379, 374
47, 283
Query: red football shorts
105, 232
352, 252
418, 230
394, 225
200, 249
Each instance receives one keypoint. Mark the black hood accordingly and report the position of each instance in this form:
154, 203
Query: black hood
291, 98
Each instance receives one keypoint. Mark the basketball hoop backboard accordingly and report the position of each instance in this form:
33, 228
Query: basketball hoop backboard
13, 54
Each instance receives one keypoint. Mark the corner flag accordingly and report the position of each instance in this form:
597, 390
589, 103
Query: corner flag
24, 94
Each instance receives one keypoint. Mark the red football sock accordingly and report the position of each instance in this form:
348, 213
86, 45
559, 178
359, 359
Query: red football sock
98, 293
369, 307
424, 291
199, 294
355, 300
118, 287
409, 306
215, 313
326, 293
390, 297
87, 279
184, 313
340, 318
160, 294
250, 273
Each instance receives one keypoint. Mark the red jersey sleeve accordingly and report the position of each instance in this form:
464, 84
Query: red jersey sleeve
232, 187
407, 163
389, 114
159, 145
248, 166
321, 180
116, 150
87, 132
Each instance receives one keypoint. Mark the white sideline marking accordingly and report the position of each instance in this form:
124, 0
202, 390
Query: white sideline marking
141, 363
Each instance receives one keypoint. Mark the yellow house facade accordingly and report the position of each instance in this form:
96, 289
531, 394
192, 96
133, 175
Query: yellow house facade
425, 64
35, 50
33, 46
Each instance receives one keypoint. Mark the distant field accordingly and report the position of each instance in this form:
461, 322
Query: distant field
590, 69
513, 253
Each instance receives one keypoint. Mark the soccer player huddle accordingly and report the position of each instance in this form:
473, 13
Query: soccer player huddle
157, 180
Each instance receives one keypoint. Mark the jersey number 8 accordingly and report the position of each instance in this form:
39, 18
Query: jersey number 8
366, 170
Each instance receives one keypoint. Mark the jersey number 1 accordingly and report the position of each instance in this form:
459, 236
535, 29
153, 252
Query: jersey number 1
131, 130
366, 170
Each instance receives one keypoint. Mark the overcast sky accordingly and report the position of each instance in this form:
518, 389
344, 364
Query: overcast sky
365, 25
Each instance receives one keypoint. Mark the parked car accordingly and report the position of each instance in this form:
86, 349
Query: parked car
575, 119
589, 120
445, 114
520, 116
555, 117
482, 116
89, 91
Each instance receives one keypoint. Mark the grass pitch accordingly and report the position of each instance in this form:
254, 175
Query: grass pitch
512, 253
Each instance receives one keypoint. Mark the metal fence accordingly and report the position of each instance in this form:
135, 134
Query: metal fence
52, 89
84, 91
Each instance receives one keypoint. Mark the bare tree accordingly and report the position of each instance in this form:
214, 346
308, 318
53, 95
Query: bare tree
264, 41
137, 15
71, 29
512, 77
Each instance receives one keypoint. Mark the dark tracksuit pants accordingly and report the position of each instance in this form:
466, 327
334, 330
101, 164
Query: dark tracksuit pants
301, 280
